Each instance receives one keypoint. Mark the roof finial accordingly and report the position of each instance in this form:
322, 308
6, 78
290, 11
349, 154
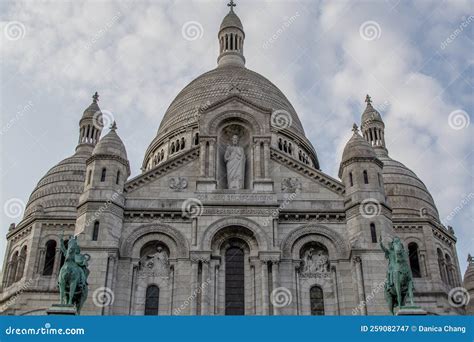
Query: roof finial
231, 4
95, 97
368, 100
113, 126
355, 129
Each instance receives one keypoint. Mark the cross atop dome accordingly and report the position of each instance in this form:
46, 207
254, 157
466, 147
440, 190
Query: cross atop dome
368, 100
231, 4
355, 129
95, 97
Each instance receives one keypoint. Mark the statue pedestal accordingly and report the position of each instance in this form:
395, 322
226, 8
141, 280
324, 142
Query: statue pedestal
410, 311
62, 309
205, 184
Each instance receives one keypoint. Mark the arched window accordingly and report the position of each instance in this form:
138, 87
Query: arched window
63, 258
280, 145
152, 300
441, 265
21, 264
373, 233
317, 301
234, 281
117, 179
172, 147
13, 268
49, 257
290, 148
285, 146
102, 176
89, 176
414, 259
351, 179
196, 139
366, 177
95, 231
177, 145
300, 157
380, 181
448, 270
183, 143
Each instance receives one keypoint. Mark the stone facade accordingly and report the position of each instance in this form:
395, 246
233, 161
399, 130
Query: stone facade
309, 243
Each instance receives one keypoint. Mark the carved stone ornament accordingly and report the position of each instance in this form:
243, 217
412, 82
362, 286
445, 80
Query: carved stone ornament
154, 264
178, 183
291, 185
315, 263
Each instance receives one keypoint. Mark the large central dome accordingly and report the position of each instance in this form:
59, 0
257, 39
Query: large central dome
218, 84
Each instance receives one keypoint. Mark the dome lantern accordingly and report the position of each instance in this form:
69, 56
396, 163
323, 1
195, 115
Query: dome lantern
231, 39
90, 125
372, 126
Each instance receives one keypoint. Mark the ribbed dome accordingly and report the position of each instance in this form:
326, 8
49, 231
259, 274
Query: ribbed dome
357, 147
370, 114
407, 194
58, 191
111, 144
218, 84
231, 20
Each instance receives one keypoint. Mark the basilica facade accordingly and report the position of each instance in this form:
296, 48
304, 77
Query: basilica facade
231, 214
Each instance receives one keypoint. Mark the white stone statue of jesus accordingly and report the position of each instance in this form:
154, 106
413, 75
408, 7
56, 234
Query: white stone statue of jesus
235, 164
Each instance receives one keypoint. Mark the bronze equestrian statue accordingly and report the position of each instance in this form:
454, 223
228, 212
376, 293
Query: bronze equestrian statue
73, 275
399, 283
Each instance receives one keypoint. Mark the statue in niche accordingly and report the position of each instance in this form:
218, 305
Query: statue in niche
156, 263
315, 261
235, 164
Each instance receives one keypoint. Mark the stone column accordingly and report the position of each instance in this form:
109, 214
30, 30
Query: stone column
266, 158
257, 163
424, 271
275, 277
205, 284
264, 270
194, 285
360, 283
335, 289
297, 268
202, 157
212, 158
39, 260
275, 232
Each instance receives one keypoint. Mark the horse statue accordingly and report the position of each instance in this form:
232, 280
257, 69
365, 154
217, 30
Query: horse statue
73, 275
399, 283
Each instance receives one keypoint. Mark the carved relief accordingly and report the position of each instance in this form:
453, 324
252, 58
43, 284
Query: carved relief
178, 183
315, 261
154, 263
291, 185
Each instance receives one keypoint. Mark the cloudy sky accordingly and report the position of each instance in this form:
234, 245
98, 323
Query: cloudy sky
414, 58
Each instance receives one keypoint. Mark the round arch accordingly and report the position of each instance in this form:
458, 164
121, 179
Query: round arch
175, 240
337, 247
261, 237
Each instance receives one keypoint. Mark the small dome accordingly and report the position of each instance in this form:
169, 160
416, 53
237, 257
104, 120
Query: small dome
231, 20
468, 281
370, 114
407, 195
357, 147
57, 193
93, 108
111, 144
